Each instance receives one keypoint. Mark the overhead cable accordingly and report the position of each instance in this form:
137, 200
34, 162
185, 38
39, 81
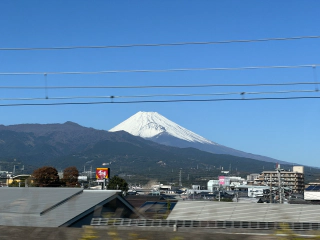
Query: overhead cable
158, 70
160, 44
156, 101
161, 86
161, 95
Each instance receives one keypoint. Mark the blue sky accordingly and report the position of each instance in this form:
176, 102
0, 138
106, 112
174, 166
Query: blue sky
286, 129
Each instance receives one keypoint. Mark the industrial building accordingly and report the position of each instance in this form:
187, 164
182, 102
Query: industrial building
227, 182
224, 211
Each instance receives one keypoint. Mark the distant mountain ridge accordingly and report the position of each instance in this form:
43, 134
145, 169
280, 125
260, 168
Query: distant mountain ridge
71, 143
157, 128
138, 159
45, 142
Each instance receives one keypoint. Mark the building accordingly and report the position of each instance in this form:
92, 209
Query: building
292, 179
61, 207
252, 177
251, 191
213, 185
312, 193
247, 212
20, 180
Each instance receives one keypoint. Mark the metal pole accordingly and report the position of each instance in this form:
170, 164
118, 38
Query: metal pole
280, 188
270, 188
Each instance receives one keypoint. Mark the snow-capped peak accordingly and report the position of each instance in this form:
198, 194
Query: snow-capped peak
150, 124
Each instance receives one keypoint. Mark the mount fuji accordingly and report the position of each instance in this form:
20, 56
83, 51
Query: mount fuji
155, 127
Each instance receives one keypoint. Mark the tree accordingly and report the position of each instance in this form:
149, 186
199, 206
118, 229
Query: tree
46, 177
70, 176
118, 183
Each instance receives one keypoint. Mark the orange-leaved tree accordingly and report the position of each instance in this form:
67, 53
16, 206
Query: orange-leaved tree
46, 177
70, 176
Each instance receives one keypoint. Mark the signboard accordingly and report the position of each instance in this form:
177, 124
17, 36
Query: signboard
102, 174
221, 180
224, 180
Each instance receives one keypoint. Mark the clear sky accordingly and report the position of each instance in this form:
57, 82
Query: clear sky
287, 130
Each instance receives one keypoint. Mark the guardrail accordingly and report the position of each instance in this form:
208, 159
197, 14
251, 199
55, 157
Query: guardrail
126, 222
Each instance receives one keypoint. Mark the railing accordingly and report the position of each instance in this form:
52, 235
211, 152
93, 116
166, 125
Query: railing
126, 222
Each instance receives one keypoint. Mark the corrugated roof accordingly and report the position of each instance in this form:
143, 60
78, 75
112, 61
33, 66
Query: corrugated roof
255, 212
33, 200
47, 207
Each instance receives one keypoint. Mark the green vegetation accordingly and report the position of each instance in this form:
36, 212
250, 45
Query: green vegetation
285, 233
118, 183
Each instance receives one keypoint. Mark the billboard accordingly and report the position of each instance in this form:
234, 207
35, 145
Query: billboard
102, 173
224, 180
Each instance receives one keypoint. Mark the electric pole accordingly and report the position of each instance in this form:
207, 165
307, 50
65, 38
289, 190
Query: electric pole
270, 188
280, 185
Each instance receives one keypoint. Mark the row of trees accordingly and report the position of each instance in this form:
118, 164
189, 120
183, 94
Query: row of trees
49, 177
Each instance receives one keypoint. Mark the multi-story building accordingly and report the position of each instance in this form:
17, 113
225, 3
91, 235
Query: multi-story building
252, 177
292, 179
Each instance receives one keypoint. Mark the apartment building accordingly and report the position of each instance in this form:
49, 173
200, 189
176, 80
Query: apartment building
292, 179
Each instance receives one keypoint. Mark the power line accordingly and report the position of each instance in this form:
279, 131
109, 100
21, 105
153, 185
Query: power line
161, 86
158, 70
162, 95
156, 101
161, 44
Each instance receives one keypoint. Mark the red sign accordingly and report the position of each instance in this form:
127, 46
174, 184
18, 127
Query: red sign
102, 173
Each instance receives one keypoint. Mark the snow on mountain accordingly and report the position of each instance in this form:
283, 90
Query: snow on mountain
155, 127
152, 124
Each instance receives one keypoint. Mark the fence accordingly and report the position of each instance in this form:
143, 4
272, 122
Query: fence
126, 222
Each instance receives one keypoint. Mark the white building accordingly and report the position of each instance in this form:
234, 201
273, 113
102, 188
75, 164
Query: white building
213, 185
251, 190
312, 193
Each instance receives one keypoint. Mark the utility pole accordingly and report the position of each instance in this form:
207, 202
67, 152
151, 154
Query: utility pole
180, 183
279, 184
270, 187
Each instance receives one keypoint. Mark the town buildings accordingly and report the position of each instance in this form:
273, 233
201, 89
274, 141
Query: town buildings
290, 179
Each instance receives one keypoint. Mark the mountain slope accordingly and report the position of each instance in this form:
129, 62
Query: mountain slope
151, 124
141, 160
39, 143
157, 128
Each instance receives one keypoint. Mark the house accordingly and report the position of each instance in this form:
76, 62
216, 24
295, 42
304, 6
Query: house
21, 180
